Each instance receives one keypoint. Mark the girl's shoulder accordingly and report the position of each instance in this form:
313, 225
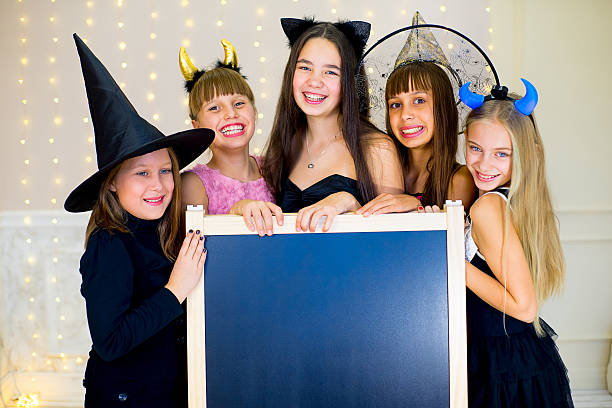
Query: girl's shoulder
489, 208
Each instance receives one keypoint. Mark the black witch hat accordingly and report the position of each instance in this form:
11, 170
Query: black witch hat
121, 133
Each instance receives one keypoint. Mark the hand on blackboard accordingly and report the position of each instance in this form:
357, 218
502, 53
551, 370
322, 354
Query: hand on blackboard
257, 215
389, 203
189, 266
332, 205
429, 209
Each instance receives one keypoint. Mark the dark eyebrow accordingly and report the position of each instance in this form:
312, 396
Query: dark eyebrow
305, 61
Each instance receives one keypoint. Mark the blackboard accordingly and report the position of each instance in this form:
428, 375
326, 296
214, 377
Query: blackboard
356, 317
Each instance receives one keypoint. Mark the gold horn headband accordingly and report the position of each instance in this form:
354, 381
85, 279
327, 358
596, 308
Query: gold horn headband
187, 68
231, 58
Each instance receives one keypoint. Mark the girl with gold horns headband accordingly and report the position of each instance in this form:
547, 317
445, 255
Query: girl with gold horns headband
221, 99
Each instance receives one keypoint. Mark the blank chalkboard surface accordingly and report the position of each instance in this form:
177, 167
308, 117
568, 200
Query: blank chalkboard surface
344, 319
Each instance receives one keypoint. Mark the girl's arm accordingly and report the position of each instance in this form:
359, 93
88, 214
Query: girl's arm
116, 324
193, 190
462, 187
506, 260
385, 166
388, 177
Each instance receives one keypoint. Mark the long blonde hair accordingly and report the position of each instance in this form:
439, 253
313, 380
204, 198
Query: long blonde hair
107, 213
529, 204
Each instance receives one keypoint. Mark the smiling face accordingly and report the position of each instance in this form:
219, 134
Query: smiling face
144, 185
316, 80
411, 118
488, 154
232, 117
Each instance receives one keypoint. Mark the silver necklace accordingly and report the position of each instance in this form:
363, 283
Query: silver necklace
310, 159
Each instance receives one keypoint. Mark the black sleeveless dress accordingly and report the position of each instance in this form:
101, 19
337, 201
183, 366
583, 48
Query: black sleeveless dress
293, 199
508, 364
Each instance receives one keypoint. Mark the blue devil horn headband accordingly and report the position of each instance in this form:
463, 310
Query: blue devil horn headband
525, 105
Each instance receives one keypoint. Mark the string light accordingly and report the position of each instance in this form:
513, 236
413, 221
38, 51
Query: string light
443, 8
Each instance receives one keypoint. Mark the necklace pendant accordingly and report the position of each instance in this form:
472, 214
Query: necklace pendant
310, 165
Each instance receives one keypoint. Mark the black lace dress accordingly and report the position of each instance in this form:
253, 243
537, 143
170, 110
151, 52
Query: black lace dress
293, 199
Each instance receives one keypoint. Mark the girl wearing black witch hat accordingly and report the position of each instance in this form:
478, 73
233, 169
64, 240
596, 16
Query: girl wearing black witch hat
136, 271
323, 157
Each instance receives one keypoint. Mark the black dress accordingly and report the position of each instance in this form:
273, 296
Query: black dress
293, 199
508, 364
138, 357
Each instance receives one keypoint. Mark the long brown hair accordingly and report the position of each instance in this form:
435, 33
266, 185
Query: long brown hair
108, 214
529, 204
427, 76
289, 127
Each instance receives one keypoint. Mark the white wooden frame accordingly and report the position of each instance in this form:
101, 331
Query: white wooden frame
452, 220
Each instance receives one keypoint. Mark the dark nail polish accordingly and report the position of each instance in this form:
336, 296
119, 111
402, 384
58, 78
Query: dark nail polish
190, 231
197, 231
201, 238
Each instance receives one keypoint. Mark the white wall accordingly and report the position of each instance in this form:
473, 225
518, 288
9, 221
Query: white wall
564, 50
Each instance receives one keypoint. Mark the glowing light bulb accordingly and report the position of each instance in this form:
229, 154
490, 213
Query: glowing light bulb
30, 316
450, 46
88, 159
57, 299
259, 131
52, 19
156, 116
260, 115
151, 55
20, 81
85, 119
443, 8
150, 96
24, 101
152, 76
186, 42
27, 279
219, 23
370, 13
89, 21
54, 220
22, 141
26, 162
26, 201
57, 120
51, 140
26, 122
55, 39
262, 59
223, 2
90, 140
62, 317
24, 61
55, 160
152, 36
90, 4
488, 9
154, 14
259, 28
264, 95
262, 80
56, 100
334, 11
490, 47
23, 40
51, 80
52, 60
256, 150
124, 65
60, 337
403, 12
490, 29
24, 181
53, 201
184, 3
122, 45
260, 12
256, 44
120, 24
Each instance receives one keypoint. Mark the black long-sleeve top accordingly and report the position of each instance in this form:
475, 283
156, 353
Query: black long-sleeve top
137, 326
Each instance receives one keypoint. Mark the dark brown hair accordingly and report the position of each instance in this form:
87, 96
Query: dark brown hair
108, 214
289, 127
427, 76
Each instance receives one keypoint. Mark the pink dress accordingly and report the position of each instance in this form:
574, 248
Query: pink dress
223, 192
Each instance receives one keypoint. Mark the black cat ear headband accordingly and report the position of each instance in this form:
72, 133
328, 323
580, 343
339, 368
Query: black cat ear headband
357, 32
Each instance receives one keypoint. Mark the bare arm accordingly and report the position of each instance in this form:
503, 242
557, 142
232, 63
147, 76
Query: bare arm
385, 166
462, 187
506, 260
193, 190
